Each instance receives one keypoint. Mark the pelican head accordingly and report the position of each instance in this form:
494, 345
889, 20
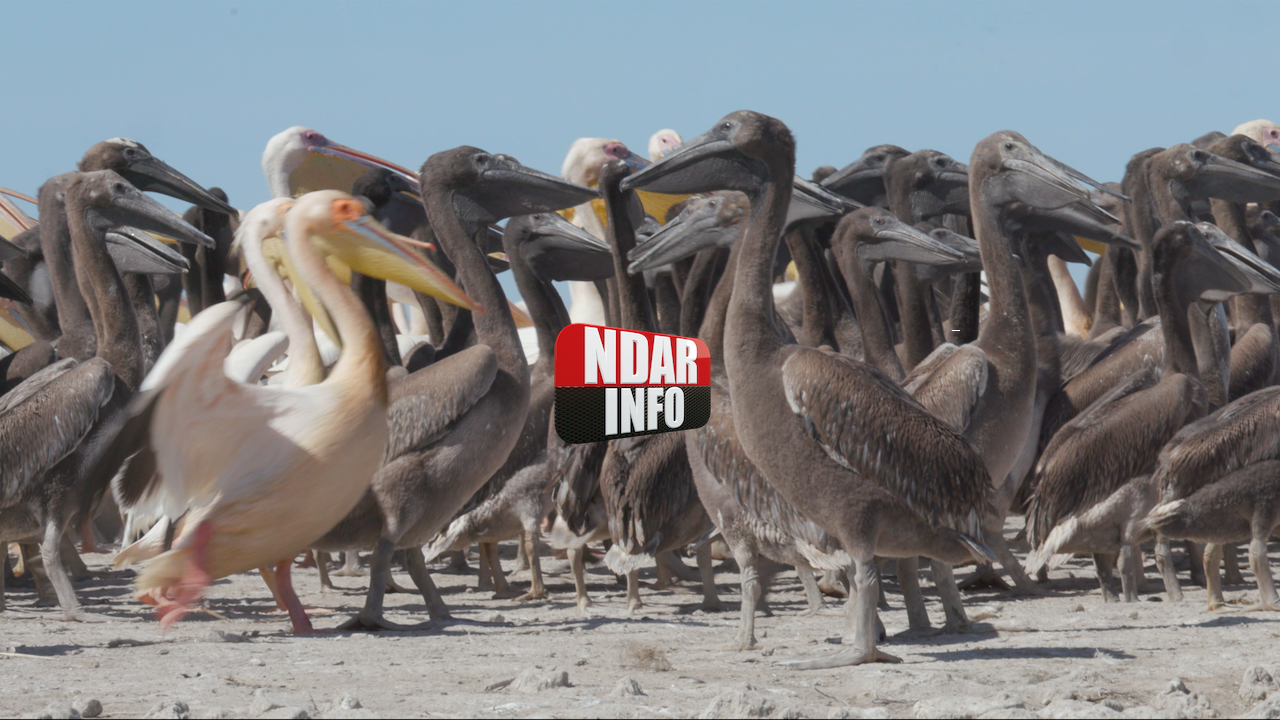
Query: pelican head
132, 161
301, 160
663, 142
587, 155
1263, 132
340, 225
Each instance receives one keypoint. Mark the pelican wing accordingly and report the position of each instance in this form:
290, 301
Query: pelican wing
954, 389
45, 418
646, 485
576, 471
770, 514
1207, 450
425, 404
871, 426
1081, 467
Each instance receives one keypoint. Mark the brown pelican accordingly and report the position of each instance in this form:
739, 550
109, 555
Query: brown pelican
453, 423
863, 179
56, 421
1243, 506
1121, 434
252, 498
791, 403
514, 501
649, 496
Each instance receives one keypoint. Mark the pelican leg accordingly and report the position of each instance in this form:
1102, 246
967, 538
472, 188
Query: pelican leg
297, 615
522, 560
633, 592
1261, 567
421, 577
579, 579
87, 541
75, 564
191, 586
1022, 583
51, 552
917, 616
812, 595
1213, 578
322, 564
1130, 572
952, 605
485, 581
350, 565
1164, 562
269, 577
750, 580
501, 588
766, 572
1194, 554
529, 542
1231, 565
706, 569
1103, 565
863, 623
370, 617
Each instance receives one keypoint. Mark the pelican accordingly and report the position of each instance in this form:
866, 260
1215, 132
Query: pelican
56, 421
792, 404
453, 423
256, 496
299, 160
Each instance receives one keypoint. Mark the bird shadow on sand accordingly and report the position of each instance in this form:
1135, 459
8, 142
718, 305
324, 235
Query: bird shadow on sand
1029, 653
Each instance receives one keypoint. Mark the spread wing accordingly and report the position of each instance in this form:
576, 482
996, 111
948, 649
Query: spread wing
1211, 448
426, 403
45, 418
1113, 441
869, 425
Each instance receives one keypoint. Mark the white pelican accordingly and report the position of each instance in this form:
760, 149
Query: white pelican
285, 464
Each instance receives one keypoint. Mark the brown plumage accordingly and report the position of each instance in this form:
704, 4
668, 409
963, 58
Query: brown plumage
1243, 433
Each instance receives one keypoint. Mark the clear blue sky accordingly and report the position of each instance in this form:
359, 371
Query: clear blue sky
204, 84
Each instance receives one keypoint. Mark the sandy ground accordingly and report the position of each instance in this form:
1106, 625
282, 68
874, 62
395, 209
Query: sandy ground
1068, 649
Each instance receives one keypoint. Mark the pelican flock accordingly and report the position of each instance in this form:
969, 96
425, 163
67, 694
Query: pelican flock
902, 369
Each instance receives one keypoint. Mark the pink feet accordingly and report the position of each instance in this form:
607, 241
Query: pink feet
173, 602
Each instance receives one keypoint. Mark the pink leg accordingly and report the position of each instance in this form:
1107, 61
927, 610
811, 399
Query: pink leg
308, 560
301, 623
196, 578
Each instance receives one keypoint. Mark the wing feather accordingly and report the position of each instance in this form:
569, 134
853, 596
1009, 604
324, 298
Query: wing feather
1116, 439
1242, 433
47, 417
871, 426
426, 403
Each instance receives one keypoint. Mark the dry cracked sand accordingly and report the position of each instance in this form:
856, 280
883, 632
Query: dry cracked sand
1064, 655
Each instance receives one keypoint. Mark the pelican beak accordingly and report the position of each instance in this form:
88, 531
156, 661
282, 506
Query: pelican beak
511, 189
1263, 278
134, 209
333, 149
685, 169
521, 318
154, 175
1227, 179
912, 245
634, 161
18, 195
12, 290
564, 235
138, 252
9, 251
810, 201
369, 248
694, 229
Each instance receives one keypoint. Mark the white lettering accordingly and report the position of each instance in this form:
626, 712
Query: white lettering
655, 406
687, 362
634, 350
599, 358
611, 411
632, 410
674, 415
661, 371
